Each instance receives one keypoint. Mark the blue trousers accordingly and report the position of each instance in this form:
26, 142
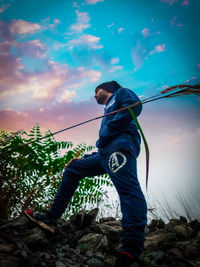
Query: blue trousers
119, 161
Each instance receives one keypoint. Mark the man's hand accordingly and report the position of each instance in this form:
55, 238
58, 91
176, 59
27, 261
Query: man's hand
71, 161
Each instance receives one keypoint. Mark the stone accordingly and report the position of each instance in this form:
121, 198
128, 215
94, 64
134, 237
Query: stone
156, 224
6, 248
107, 219
181, 232
183, 219
21, 222
36, 237
93, 242
113, 233
95, 262
191, 252
177, 253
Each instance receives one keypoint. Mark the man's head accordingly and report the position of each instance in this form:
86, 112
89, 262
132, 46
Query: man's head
105, 90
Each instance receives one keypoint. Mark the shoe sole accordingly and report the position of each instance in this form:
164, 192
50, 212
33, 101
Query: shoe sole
43, 225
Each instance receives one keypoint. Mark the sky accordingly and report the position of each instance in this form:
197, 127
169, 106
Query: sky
55, 53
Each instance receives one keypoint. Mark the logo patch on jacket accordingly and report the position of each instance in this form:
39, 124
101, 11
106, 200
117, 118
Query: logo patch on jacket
116, 161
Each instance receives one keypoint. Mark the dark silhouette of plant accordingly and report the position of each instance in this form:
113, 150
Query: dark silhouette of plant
30, 175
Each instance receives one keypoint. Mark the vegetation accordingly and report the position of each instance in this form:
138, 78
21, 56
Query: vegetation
30, 175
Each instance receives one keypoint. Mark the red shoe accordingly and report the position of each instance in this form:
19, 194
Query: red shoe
43, 219
125, 259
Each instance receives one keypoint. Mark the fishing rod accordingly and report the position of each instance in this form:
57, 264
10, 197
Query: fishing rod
190, 90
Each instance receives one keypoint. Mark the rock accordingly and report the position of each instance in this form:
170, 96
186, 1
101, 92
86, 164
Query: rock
82, 219
107, 219
195, 224
183, 219
21, 222
191, 252
171, 224
83, 242
95, 262
36, 237
181, 232
156, 224
93, 242
10, 261
113, 233
6, 248
177, 253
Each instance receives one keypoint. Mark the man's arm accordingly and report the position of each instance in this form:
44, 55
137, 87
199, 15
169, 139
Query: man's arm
125, 97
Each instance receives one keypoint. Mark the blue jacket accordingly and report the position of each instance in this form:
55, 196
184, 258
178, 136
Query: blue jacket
121, 122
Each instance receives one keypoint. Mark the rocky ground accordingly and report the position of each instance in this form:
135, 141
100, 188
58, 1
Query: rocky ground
82, 241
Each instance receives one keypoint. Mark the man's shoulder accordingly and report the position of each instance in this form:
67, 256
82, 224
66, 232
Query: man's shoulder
124, 91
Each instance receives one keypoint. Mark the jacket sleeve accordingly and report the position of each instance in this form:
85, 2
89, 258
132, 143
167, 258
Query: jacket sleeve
125, 97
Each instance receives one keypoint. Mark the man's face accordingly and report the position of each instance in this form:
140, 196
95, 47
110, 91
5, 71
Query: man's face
101, 96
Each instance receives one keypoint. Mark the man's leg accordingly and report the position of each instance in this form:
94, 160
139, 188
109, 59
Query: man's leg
122, 168
75, 171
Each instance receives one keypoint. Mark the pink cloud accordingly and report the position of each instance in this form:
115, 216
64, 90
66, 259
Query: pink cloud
120, 30
146, 32
198, 66
86, 39
93, 2
35, 48
43, 86
158, 49
82, 21
169, 2
115, 68
189, 80
114, 60
185, 3
23, 27
56, 21
176, 23
57, 117
4, 7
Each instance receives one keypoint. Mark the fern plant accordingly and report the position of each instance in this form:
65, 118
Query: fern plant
31, 174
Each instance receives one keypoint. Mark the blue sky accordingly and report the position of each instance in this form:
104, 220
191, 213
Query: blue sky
54, 54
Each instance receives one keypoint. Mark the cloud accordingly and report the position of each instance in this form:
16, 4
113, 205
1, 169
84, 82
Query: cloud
185, 3
45, 86
13, 78
110, 25
4, 7
114, 60
56, 21
75, 4
23, 27
146, 32
174, 22
115, 68
88, 40
198, 66
82, 22
34, 48
138, 53
158, 49
174, 140
93, 2
120, 30
67, 96
169, 2
56, 117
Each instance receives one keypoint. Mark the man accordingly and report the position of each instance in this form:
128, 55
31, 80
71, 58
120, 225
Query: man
118, 148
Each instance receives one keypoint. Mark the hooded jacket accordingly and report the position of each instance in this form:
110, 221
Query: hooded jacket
121, 122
